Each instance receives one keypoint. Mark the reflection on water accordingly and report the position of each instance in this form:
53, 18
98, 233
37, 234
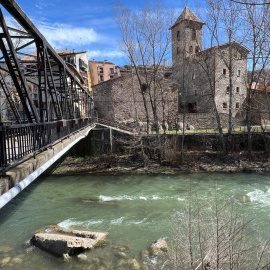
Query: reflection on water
136, 210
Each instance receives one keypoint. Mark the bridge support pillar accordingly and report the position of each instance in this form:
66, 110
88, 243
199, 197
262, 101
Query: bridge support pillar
4, 185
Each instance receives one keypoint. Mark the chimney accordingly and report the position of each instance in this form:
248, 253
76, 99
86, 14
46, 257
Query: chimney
165, 63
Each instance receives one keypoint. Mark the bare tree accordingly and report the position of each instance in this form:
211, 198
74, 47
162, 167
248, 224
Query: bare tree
256, 38
214, 237
146, 42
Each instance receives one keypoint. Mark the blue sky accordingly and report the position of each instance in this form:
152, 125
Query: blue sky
85, 24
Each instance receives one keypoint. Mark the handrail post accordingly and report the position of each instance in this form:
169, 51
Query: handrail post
3, 155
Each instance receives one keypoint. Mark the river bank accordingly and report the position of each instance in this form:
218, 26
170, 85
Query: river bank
193, 162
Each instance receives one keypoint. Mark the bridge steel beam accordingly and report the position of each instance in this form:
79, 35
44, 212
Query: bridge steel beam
15, 70
61, 95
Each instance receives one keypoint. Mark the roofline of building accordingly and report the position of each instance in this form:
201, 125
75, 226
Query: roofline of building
202, 23
225, 45
60, 54
101, 62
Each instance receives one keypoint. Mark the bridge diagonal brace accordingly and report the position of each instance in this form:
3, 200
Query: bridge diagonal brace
69, 102
9, 98
16, 73
52, 88
42, 84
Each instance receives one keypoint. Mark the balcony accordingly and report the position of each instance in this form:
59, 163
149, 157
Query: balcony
82, 64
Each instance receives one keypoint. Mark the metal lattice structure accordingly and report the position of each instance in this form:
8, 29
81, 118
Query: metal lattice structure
61, 95
62, 102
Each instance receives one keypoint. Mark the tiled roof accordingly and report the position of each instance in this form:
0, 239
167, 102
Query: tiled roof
63, 51
31, 57
224, 45
187, 14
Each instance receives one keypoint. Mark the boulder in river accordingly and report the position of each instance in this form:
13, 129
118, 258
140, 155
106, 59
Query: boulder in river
158, 248
60, 241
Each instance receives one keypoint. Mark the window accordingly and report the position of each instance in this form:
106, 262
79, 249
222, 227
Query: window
224, 105
100, 69
144, 88
224, 71
192, 107
228, 90
177, 50
101, 78
238, 73
190, 49
197, 49
193, 76
111, 70
237, 105
195, 93
193, 34
237, 89
178, 35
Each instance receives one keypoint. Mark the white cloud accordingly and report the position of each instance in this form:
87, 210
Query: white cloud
105, 54
63, 35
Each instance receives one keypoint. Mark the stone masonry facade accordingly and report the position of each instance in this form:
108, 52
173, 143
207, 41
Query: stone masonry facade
204, 74
120, 100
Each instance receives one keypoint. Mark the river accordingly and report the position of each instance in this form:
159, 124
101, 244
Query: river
135, 209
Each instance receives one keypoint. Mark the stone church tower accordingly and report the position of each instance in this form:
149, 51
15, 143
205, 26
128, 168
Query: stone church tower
186, 40
203, 77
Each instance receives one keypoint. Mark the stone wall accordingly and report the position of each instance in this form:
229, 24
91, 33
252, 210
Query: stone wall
208, 120
121, 100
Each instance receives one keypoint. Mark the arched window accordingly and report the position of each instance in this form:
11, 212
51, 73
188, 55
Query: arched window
190, 49
224, 105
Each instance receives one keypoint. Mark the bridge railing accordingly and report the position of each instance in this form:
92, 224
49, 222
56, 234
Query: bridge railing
19, 142
113, 124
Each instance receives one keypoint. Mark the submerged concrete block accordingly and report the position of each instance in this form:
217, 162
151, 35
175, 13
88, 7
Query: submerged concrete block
61, 241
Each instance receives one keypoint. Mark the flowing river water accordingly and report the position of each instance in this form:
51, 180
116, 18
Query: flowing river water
135, 209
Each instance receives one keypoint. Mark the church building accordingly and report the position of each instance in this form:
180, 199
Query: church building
205, 76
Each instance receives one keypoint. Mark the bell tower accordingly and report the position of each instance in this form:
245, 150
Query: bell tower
186, 37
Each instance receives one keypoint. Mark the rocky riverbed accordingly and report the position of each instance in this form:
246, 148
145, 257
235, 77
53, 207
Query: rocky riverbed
193, 162
63, 245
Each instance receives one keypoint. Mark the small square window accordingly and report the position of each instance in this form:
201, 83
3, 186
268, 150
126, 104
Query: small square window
224, 105
193, 34
237, 89
178, 35
224, 71
237, 105
238, 73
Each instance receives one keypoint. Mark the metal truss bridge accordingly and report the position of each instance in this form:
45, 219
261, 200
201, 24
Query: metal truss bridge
46, 99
